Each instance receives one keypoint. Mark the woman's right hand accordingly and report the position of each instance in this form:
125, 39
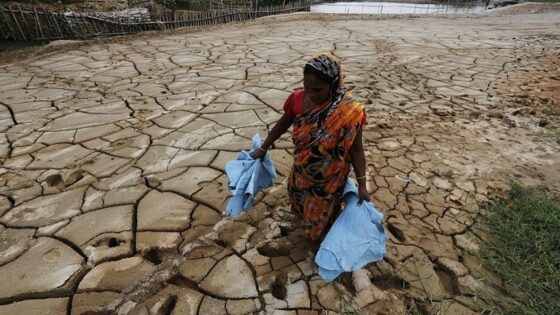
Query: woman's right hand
258, 153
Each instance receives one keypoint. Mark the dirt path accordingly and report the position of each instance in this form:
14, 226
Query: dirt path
112, 182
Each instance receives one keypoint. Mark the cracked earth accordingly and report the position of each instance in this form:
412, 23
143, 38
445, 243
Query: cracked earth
112, 182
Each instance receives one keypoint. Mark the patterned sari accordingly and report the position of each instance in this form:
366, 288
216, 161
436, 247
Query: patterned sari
323, 137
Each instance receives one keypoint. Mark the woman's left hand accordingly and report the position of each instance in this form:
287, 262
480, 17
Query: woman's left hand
363, 194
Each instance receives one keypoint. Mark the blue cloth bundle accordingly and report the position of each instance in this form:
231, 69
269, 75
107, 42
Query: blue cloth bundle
356, 238
246, 177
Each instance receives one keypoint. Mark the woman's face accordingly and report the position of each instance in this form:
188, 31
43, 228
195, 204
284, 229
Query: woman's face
317, 90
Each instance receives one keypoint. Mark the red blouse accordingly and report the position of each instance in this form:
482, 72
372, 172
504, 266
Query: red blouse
293, 105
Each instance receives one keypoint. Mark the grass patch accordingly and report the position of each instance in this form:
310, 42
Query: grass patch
525, 250
553, 133
550, 132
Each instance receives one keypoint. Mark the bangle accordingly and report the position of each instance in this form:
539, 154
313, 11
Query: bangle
261, 149
361, 177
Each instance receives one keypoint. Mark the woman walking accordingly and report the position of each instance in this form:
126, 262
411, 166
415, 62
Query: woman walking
327, 133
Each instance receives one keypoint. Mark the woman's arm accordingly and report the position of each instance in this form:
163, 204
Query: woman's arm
279, 129
357, 156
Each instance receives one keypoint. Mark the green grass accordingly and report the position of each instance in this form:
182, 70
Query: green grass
525, 251
553, 133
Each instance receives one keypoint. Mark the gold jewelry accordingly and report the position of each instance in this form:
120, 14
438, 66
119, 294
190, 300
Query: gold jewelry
361, 177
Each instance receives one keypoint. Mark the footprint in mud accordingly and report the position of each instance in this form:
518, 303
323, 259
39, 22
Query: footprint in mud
113, 242
278, 287
54, 180
153, 256
387, 280
276, 248
58, 181
448, 281
167, 306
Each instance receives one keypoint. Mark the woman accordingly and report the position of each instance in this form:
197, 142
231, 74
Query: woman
327, 135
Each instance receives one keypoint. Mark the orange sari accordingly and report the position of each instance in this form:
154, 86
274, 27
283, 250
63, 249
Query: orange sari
323, 138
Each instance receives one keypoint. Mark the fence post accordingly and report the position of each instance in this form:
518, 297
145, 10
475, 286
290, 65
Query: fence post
24, 22
86, 26
17, 24
14, 35
38, 22
94, 24
57, 26
50, 26
77, 21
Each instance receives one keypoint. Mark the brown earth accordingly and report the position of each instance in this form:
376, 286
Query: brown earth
112, 181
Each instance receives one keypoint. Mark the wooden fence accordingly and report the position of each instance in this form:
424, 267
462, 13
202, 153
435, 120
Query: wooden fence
38, 23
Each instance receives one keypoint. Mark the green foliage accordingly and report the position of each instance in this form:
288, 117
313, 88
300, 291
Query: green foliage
525, 252
170, 4
194, 5
272, 2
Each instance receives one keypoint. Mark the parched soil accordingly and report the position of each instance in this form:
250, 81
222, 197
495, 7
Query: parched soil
112, 183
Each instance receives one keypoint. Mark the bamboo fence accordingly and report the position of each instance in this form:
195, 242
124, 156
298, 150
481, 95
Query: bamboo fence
41, 24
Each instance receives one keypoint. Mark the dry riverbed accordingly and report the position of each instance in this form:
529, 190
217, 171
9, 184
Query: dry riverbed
112, 158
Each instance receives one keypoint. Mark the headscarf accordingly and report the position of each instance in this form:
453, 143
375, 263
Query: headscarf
328, 65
